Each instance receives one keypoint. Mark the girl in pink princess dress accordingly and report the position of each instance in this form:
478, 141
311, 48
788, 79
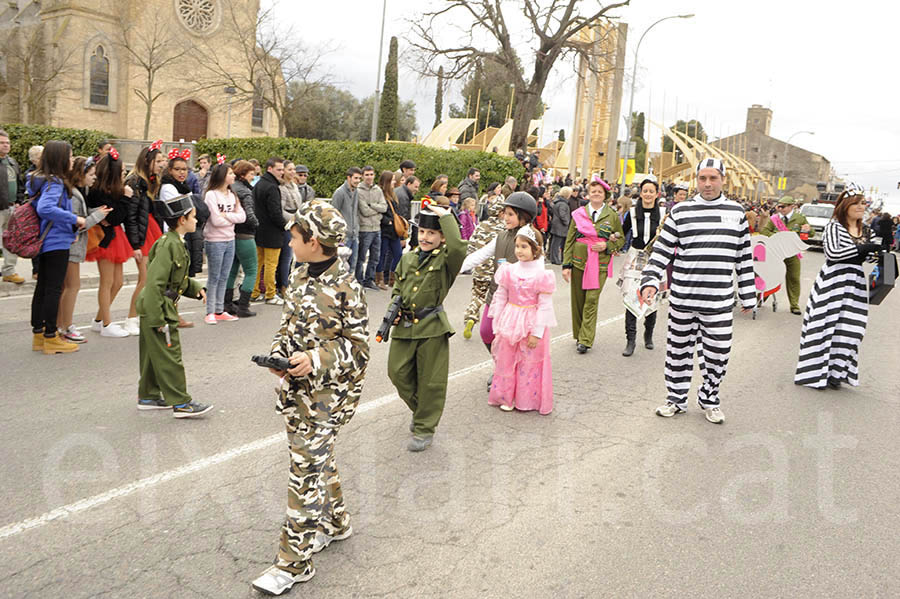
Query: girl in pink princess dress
522, 310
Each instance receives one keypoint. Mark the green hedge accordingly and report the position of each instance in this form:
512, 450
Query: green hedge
84, 141
329, 160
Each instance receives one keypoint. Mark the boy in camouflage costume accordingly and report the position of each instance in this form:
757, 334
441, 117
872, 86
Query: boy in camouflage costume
324, 332
483, 274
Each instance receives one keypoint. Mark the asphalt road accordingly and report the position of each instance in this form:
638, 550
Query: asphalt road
795, 495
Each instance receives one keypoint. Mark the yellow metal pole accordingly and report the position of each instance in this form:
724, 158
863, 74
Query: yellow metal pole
468, 103
487, 120
477, 108
512, 91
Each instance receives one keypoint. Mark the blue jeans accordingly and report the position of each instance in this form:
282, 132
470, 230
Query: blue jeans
391, 252
283, 274
219, 256
353, 244
369, 252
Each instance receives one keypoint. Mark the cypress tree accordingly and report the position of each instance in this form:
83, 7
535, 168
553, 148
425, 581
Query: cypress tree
562, 135
439, 98
388, 118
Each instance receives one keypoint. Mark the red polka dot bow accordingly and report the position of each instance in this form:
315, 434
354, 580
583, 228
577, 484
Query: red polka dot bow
220, 158
156, 145
184, 154
114, 153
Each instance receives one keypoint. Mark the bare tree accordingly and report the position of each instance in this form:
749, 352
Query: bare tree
553, 25
41, 68
153, 45
270, 59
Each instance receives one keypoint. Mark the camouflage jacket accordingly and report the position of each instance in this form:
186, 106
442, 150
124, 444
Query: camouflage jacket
486, 231
327, 318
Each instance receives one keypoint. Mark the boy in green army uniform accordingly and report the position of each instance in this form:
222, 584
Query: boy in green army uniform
419, 358
606, 239
324, 333
796, 222
163, 385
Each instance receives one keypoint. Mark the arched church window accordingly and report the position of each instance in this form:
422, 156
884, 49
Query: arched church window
99, 78
259, 107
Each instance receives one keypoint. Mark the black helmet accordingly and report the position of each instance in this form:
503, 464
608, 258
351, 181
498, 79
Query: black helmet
523, 201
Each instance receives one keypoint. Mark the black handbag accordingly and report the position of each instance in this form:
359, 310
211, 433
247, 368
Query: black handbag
882, 278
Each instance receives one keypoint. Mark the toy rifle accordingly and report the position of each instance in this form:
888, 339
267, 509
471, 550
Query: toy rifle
393, 311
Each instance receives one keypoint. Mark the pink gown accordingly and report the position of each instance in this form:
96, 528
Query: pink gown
522, 306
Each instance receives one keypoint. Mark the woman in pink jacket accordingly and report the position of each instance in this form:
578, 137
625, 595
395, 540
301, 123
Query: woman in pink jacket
225, 211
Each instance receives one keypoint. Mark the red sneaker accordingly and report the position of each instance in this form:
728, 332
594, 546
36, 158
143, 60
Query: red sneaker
226, 317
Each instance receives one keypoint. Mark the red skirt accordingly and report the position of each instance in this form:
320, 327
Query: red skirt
153, 233
118, 252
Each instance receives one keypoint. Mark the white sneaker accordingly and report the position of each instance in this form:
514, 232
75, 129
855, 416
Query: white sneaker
97, 326
669, 410
323, 540
276, 581
72, 335
132, 326
113, 330
715, 415
506, 408
275, 301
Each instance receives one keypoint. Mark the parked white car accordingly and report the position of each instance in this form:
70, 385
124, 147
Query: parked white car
818, 216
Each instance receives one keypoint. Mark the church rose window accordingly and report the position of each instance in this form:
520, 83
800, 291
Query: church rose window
197, 15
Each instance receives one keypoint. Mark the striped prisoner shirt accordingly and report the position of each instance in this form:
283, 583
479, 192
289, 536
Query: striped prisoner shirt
708, 240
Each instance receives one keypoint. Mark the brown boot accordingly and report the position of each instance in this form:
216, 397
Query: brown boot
37, 344
379, 281
393, 279
58, 345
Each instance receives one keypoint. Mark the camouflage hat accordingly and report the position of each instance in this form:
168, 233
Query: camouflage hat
323, 220
787, 201
495, 207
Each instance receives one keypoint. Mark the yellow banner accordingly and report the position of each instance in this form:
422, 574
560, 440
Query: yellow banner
629, 175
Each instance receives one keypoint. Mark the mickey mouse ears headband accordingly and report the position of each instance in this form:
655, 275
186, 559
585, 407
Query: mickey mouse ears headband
113, 153
184, 154
220, 158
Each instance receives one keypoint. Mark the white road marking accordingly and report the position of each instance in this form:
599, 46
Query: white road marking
87, 326
81, 505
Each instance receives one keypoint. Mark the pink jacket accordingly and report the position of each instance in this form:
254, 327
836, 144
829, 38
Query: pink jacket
225, 211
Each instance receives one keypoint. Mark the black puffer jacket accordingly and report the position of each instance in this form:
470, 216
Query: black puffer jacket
138, 209
267, 205
97, 198
244, 193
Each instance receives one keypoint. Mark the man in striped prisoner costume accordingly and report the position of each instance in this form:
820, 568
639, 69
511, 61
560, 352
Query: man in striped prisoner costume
707, 239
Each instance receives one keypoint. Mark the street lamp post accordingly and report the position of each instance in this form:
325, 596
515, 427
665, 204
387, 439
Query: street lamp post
631, 101
378, 75
784, 158
230, 91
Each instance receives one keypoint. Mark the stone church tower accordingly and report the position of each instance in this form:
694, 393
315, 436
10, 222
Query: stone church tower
96, 64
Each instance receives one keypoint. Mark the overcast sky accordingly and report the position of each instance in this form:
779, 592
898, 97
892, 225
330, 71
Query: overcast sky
820, 66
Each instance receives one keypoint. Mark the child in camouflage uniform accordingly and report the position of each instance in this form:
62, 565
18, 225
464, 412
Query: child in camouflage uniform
324, 332
483, 274
419, 358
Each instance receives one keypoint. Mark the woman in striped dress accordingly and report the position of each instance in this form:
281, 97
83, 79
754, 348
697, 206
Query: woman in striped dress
836, 313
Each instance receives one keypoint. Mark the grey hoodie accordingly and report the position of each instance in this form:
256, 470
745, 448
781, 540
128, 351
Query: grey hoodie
347, 202
371, 206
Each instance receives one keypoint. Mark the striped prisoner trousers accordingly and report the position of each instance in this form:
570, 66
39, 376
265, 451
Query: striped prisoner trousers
710, 335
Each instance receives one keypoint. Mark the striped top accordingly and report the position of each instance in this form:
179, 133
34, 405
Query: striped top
708, 240
838, 243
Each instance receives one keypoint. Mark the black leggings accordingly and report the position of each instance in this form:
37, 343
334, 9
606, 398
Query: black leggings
45, 301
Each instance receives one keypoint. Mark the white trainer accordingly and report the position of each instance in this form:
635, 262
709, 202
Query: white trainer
97, 326
113, 330
323, 540
275, 581
669, 410
715, 415
132, 326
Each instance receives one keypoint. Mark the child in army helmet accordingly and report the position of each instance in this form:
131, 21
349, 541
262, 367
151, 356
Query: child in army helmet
419, 358
324, 333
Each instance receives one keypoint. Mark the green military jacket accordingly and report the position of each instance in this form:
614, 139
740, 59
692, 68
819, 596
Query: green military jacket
575, 253
168, 269
424, 283
794, 223
327, 318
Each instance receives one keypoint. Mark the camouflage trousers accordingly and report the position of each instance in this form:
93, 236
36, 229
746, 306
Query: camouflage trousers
315, 500
480, 288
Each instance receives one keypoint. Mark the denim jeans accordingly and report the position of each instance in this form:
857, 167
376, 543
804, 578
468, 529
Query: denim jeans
353, 244
391, 252
369, 253
219, 256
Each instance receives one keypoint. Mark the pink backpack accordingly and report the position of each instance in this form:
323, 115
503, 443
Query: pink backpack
23, 234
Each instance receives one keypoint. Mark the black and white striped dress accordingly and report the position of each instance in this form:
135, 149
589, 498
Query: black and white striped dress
836, 314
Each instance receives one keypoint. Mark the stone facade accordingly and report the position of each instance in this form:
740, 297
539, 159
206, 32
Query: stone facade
95, 81
803, 169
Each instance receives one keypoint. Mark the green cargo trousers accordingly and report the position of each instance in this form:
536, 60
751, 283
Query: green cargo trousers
792, 281
584, 307
418, 368
162, 371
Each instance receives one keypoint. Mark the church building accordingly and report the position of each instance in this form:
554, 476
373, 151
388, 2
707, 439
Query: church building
96, 64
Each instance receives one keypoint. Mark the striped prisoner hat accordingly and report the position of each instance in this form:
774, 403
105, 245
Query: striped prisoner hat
715, 163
